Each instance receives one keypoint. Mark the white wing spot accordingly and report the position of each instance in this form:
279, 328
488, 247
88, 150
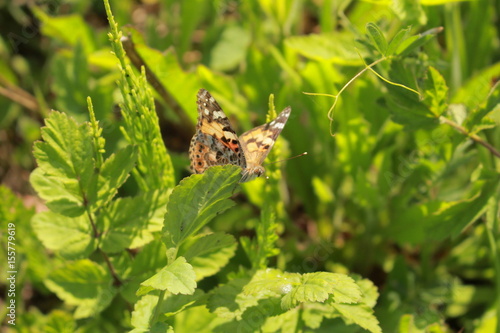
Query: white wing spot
218, 115
278, 125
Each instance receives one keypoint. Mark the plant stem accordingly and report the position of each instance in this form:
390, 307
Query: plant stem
470, 135
116, 280
156, 315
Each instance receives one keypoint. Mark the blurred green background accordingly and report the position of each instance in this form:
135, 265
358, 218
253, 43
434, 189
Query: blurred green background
405, 192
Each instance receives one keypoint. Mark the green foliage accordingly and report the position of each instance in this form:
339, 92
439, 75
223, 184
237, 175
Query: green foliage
395, 102
196, 201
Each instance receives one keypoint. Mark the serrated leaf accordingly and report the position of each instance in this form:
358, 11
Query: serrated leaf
309, 287
406, 106
477, 120
272, 282
288, 321
316, 287
208, 253
85, 284
454, 217
176, 278
71, 237
143, 311
229, 301
359, 314
436, 92
65, 176
132, 221
66, 151
255, 316
196, 200
114, 171
62, 195
369, 292
377, 37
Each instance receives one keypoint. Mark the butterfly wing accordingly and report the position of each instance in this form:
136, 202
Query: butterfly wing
215, 142
257, 142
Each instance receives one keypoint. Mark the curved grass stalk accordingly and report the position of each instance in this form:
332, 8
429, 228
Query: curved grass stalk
367, 68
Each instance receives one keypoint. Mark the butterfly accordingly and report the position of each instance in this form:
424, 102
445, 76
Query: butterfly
216, 143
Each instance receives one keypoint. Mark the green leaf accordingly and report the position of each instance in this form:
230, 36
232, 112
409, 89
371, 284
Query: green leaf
114, 171
455, 216
288, 321
196, 200
334, 47
192, 13
412, 43
230, 49
359, 314
316, 287
143, 312
16, 218
229, 301
369, 292
406, 106
479, 85
85, 284
70, 29
67, 148
272, 282
436, 92
171, 75
196, 319
309, 287
396, 41
209, 253
59, 322
175, 304
176, 278
132, 221
255, 316
71, 237
61, 195
377, 37
478, 119
65, 161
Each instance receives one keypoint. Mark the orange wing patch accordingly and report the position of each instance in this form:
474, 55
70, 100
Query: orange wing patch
216, 143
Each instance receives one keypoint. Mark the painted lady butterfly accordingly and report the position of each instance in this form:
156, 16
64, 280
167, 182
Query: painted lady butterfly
216, 143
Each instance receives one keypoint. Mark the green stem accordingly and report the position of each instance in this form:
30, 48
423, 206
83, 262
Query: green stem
156, 315
470, 135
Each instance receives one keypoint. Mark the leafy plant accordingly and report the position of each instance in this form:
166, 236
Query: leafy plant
390, 223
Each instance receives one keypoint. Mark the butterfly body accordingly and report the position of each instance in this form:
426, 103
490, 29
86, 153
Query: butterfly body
216, 143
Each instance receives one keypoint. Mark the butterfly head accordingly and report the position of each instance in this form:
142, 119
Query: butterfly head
250, 173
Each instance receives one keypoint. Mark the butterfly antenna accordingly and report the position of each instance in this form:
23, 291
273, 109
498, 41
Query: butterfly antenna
286, 159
